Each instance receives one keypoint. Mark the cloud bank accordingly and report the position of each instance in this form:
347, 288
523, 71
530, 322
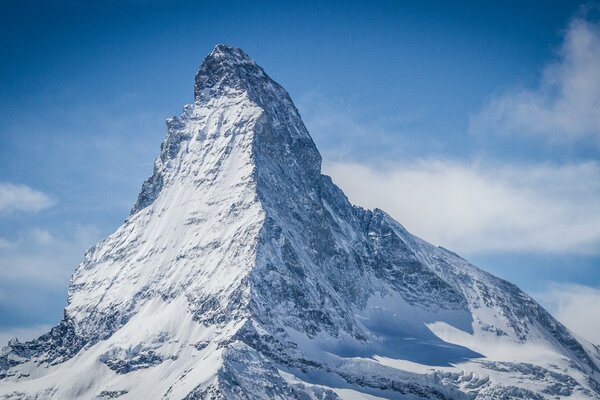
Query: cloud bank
21, 198
474, 208
40, 256
576, 306
35, 267
566, 103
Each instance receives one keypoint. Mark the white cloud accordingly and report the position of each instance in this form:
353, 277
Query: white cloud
41, 236
22, 198
566, 103
40, 256
34, 273
5, 244
473, 208
576, 306
23, 334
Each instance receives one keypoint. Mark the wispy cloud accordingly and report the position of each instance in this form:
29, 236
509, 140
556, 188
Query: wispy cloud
565, 104
41, 256
5, 244
342, 129
22, 198
576, 306
475, 208
35, 267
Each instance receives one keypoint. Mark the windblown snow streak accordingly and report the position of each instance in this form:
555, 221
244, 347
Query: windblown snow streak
243, 273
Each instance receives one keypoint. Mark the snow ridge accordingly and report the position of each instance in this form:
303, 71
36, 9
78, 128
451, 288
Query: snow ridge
244, 273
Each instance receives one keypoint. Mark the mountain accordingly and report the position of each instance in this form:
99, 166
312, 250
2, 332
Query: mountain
244, 273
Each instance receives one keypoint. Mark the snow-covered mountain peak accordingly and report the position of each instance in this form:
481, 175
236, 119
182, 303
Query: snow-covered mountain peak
244, 273
230, 54
228, 70
233, 96
225, 67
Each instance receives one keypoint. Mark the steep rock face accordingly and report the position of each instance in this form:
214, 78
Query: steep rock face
242, 272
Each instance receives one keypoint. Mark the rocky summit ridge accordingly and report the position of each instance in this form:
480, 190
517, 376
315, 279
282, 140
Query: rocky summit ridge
244, 273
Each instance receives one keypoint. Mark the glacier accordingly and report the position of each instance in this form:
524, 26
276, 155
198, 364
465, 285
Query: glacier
243, 272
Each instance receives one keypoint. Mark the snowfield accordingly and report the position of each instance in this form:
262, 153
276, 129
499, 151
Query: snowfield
244, 273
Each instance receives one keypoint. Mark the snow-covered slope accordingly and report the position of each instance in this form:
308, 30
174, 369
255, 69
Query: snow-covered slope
243, 273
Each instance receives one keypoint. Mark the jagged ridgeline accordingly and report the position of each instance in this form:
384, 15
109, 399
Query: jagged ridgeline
244, 273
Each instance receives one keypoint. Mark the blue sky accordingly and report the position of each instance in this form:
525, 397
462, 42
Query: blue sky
476, 125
